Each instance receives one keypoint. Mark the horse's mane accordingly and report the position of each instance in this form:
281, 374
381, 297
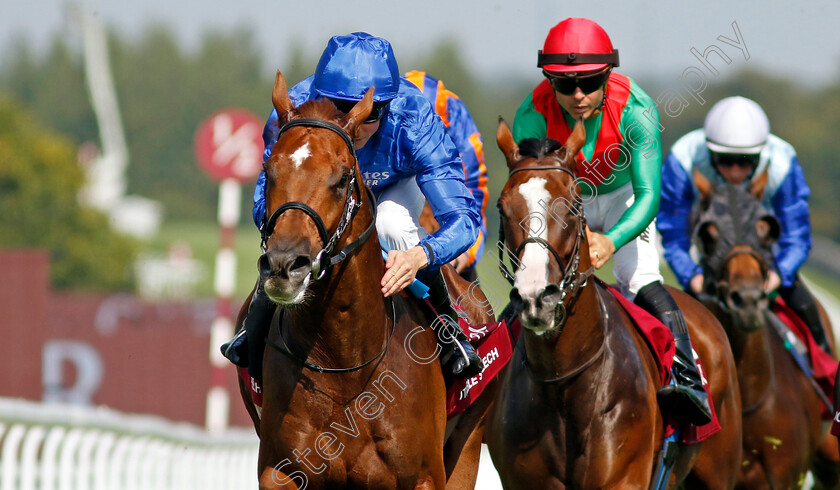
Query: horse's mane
538, 147
322, 109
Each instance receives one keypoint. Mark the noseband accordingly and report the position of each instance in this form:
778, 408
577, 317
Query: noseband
572, 281
352, 202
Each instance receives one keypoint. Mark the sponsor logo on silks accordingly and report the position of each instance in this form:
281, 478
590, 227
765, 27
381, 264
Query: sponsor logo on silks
837, 416
255, 387
487, 360
374, 178
645, 235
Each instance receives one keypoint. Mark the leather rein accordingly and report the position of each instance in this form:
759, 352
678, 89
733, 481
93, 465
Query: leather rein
572, 281
325, 260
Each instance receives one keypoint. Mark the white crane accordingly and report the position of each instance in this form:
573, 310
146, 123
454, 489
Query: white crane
106, 183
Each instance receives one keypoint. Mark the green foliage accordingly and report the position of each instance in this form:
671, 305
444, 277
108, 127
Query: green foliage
166, 91
39, 184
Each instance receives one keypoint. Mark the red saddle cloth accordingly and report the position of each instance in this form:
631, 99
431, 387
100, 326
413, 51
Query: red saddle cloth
660, 340
493, 344
823, 364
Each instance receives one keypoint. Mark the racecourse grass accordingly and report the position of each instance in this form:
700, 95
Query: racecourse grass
203, 238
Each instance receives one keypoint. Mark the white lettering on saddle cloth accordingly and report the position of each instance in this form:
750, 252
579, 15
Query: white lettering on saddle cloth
487, 360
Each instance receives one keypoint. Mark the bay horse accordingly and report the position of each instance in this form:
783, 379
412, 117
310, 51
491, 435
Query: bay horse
781, 410
578, 407
351, 397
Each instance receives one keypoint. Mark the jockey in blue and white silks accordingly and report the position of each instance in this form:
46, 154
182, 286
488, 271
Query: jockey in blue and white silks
786, 194
735, 146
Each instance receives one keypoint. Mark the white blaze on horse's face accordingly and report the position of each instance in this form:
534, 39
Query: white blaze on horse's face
532, 276
300, 155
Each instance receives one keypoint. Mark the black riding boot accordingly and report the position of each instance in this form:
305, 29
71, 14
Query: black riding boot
686, 398
246, 348
799, 299
457, 357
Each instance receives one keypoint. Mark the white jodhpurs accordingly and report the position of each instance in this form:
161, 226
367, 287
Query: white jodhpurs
397, 215
636, 264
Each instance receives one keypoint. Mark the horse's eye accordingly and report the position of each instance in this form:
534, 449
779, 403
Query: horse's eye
343, 181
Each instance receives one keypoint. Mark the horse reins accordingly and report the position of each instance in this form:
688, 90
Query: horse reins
352, 202
323, 260
572, 281
284, 349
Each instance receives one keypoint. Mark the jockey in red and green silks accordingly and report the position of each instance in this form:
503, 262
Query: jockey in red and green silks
619, 175
622, 147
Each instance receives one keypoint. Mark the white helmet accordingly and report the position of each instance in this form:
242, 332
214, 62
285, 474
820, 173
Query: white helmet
736, 125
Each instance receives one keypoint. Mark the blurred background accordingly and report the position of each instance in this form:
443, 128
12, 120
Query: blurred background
109, 231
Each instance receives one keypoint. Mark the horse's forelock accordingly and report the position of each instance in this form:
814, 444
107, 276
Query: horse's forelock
541, 148
538, 147
319, 109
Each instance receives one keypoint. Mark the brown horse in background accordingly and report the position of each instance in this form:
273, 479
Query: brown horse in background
781, 410
352, 395
578, 404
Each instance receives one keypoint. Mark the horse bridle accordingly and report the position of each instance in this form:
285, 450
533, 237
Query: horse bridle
352, 202
572, 281
323, 260
740, 248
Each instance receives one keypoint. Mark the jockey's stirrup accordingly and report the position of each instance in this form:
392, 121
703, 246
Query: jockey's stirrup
458, 357
249, 343
686, 398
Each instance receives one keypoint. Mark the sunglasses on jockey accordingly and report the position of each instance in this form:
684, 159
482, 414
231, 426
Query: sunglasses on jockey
587, 84
376, 113
726, 160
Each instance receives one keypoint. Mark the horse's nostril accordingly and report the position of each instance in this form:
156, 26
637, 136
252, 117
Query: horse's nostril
737, 299
264, 266
299, 266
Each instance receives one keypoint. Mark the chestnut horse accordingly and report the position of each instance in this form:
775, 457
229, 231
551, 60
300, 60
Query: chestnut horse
781, 410
351, 397
578, 407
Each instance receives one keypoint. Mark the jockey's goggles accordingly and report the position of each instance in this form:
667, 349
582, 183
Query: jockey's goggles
376, 113
743, 160
567, 85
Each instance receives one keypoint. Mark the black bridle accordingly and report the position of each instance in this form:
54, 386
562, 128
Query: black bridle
352, 202
323, 260
716, 271
572, 281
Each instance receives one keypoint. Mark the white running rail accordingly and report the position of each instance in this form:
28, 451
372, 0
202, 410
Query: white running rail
68, 447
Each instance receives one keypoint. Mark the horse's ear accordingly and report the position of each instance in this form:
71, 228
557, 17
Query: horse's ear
504, 138
768, 230
704, 186
358, 113
708, 235
280, 98
758, 185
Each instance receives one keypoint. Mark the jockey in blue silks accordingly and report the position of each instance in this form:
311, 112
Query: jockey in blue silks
734, 146
461, 127
406, 158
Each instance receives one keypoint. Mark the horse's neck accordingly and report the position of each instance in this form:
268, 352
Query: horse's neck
579, 341
754, 359
345, 322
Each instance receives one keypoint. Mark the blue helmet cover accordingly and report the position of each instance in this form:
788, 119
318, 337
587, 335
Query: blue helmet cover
351, 64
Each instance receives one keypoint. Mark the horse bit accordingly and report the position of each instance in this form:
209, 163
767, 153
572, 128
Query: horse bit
572, 281
323, 260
